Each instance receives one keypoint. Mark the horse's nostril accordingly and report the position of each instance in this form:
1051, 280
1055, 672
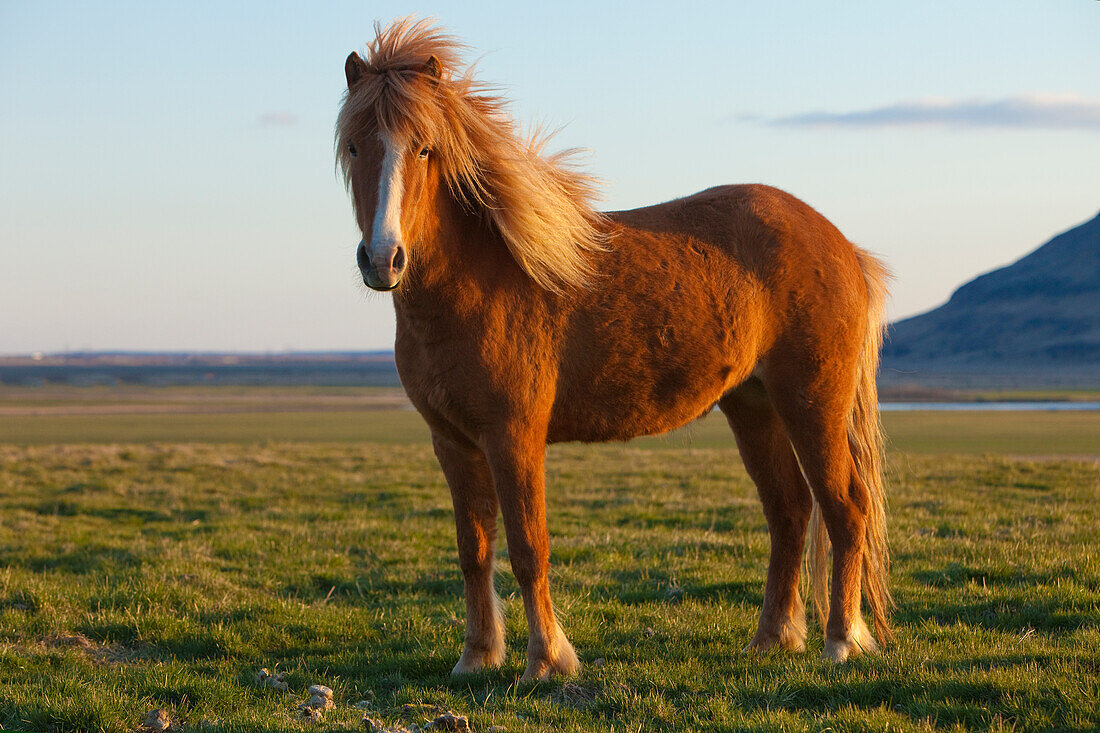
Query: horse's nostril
399, 259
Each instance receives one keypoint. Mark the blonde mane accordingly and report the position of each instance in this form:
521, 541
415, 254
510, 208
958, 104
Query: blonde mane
540, 205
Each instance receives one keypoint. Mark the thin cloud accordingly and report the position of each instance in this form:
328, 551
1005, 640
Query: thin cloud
277, 119
1032, 111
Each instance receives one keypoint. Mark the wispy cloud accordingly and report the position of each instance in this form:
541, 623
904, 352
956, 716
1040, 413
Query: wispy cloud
277, 119
1029, 111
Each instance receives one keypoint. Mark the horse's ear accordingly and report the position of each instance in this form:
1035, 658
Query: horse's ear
354, 68
433, 68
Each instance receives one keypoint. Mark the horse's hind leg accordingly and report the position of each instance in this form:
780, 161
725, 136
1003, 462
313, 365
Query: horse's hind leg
770, 461
475, 505
816, 420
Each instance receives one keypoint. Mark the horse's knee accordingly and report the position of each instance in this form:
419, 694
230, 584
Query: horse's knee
475, 556
475, 568
796, 511
529, 564
527, 573
845, 511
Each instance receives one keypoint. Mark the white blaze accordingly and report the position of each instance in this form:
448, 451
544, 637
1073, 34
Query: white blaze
386, 232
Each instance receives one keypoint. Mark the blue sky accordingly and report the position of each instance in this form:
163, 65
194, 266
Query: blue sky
167, 181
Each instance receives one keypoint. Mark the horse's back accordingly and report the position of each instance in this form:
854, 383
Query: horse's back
746, 220
798, 260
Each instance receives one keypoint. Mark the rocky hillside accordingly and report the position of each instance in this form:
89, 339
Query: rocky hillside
1039, 315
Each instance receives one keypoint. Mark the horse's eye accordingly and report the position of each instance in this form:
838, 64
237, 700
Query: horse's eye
424, 153
352, 150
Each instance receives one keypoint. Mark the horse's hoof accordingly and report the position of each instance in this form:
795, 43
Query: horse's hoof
536, 672
475, 660
859, 641
788, 633
564, 663
540, 671
763, 642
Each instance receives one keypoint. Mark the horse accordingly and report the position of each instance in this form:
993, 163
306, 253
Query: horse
525, 317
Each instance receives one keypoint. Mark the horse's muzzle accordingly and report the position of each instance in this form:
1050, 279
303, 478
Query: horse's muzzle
383, 271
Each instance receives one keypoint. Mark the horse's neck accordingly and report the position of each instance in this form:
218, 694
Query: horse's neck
464, 267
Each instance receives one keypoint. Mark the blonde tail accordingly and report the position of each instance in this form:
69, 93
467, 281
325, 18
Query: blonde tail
865, 440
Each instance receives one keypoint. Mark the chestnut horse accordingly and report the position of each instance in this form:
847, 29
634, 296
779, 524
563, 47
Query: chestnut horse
525, 317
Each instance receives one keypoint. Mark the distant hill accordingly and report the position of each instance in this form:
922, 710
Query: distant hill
324, 368
1038, 317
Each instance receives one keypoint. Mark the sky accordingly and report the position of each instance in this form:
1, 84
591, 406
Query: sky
167, 177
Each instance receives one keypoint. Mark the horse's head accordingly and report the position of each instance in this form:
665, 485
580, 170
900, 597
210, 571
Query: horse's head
392, 173
416, 134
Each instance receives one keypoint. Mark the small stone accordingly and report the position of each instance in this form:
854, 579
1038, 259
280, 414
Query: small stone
320, 691
317, 706
76, 640
274, 681
412, 711
496, 729
450, 721
374, 725
573, 694
649, 631
599, 662
157, 720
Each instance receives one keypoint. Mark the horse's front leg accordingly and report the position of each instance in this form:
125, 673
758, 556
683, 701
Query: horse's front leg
475, 505
517, 460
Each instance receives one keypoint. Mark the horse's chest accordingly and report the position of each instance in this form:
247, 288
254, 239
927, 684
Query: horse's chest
433, 370
469, 376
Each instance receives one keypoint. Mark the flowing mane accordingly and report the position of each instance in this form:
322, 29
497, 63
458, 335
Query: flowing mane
541, 205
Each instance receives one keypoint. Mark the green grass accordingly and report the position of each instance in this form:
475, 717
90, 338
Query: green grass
384, 426
165, 575
1016, 433
1040, 395
976, 433
1013, 433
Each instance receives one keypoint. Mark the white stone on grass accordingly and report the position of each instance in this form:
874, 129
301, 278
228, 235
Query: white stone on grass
274, 681
320, 691
157, 720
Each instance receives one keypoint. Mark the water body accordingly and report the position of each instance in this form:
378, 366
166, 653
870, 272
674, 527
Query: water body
988, 406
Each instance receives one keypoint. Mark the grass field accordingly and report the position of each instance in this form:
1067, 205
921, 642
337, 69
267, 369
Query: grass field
161, 560
365, 415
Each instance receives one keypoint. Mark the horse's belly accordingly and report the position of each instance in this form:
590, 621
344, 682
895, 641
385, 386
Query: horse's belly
679, 325
625, 401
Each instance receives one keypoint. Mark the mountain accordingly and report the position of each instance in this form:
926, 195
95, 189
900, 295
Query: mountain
1040, 315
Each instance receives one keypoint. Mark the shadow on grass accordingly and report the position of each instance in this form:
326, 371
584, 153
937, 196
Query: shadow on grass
956, 575
650, 585
941, 704
117, 514
1005, 614
371, 588
89, 559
